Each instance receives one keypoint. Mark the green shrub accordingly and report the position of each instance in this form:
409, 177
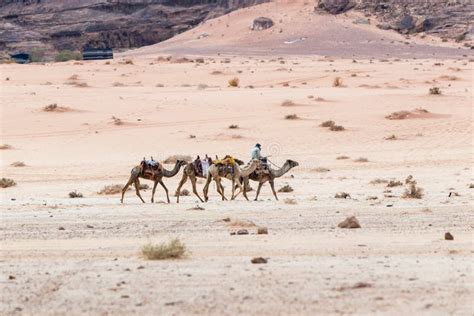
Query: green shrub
66, 55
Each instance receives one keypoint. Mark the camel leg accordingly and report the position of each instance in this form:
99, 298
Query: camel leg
273, 189
153, 192
233, 189
220, 189
206, 188
125, 188
241, 189
137, 189
244, 192
193, 183
166, 190
260, 184
181, 183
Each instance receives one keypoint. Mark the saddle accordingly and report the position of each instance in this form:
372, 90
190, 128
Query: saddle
225, 165
148, 169
198, 166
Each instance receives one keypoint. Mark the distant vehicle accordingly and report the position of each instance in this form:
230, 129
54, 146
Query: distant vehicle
97, 53
21, 58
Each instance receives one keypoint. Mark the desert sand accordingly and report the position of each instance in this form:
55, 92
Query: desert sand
82, 256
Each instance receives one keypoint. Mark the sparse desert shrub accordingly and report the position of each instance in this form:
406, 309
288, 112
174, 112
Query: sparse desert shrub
184, 192
288, 103
117, 121
285, 84
174, 158
159, 85
73, 77
37, 55
111, 189
18, 164
394, 183
66, 55
174, 249
336, 128
412, 191
118, 84
128, 62
290, 201
291, 117
399, 115
235, 222
202, 86
6, 183
342, 195
327, 124
233, 126
471, 186
337, 82
75, 194
391, 137
5, 146
216, 72
286, 188
435, 91
50, 108
378, 181
199, 60
361, 159
234, 82
342, 157
320, 169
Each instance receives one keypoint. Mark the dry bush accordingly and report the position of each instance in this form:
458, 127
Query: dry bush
290, 201
292, 117
174, 249
285, 84
111, 189
327, 124
342, 195
435, 91
6, 183
159, 85
239, 222
202, 86
378, 181
262, 231
288, 103
75, 194
216, 72
394, 183
342, 157
55, 108
18, 164
118, 84
337, 82
361, 159
73, 77
5, 146
80, 84
286, 188
234, 82
175, 158
391, 137
320, 99
184, 192
128, 62
336, 128
234, 126
117, 121
399, 115
449, 78
471, 186
412, 191
320, 169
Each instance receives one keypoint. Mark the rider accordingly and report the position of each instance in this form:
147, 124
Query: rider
256, 154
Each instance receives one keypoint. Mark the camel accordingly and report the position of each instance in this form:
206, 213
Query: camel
190, 171
262, 177
156, 177
215, 173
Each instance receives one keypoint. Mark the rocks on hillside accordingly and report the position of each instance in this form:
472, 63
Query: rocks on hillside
261, 23
335, 6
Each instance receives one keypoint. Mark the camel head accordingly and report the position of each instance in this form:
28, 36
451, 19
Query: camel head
181, 163
292, 163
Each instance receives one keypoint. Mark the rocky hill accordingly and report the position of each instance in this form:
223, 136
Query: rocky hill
55, 25
449, 19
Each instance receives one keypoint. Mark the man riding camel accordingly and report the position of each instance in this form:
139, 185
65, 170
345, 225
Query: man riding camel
256, 154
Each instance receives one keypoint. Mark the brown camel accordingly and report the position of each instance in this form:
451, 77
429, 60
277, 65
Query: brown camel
215, 173
262, 177
156, 177
192, 172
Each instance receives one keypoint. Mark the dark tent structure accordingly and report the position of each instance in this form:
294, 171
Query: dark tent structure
21, 58
97, 53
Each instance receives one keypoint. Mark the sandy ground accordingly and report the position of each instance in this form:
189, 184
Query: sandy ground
92, 265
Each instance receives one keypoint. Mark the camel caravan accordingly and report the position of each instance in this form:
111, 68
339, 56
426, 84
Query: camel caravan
257, 169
